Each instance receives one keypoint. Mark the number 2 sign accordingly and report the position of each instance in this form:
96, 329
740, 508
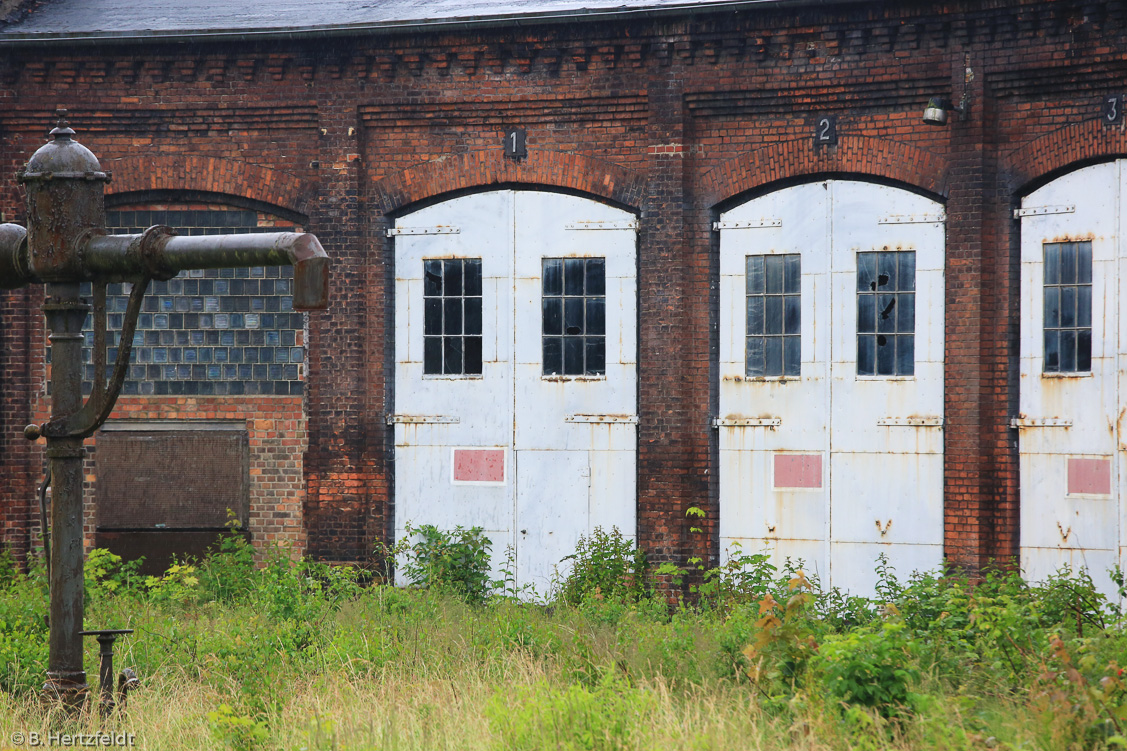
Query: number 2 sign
825, 130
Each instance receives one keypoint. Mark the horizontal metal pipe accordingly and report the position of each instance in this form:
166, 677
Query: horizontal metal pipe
124, 257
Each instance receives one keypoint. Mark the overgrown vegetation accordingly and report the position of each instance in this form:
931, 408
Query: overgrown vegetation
295, 654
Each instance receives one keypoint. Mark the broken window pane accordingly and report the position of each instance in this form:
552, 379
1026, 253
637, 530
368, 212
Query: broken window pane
432, 278
1067, 307
886, 305
774, 312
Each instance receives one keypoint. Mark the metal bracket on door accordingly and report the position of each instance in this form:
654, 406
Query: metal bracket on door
757, 224
747, 422
421, 419
1043, 211
440, 230
1043, 422
603, 419
939, 218
630, 224
912, 422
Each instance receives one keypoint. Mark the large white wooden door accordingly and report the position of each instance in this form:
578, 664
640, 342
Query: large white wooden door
1070, 423
540, 446
837, 457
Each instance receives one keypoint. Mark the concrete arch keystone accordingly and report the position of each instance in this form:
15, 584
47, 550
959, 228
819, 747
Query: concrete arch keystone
478, 169
861, 155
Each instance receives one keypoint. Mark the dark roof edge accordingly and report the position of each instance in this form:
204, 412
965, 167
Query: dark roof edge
16, 39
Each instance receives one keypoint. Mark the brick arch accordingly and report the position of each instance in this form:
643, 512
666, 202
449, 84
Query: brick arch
209, 175
1034, 163
876, 157
477, 169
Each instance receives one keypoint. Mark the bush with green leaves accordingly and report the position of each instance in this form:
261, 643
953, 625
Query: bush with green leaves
873, 666
456, 561
604, 565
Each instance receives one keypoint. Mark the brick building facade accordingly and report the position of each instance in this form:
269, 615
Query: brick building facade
675, 115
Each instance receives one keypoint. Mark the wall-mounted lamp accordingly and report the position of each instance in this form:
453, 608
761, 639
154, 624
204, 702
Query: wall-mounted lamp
937, 108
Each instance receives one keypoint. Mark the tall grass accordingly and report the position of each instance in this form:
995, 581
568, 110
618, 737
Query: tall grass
294, 655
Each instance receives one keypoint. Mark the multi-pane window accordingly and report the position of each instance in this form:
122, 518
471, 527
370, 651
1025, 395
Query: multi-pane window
1068, 307
773, 315
574, 313
206, 332
886, 313
452, 316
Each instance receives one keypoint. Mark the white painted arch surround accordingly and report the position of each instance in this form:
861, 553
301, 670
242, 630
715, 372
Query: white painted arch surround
570, 443
879, 439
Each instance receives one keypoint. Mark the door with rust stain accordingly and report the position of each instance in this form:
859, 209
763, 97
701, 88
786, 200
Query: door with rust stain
1069, 429
831, 368
521, 418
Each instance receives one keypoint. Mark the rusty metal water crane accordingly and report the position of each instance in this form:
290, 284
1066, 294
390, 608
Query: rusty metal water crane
66, 244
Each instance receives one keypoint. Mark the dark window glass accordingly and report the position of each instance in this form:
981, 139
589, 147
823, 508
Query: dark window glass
886, 313
452, 316
774, 315
574, 316
229, 303
1067, 320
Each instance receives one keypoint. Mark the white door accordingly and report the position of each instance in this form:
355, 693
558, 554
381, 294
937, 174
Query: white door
831, 368
1069, 424
536, 440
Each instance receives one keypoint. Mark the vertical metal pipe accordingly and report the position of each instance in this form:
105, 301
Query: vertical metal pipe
66, 313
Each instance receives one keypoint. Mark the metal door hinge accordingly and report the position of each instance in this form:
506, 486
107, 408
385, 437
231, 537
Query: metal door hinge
423, 231
421, 419
607, 419
1043, 422
755, 224
938, 218
1044, 210
747, 422
912, 422
629, 224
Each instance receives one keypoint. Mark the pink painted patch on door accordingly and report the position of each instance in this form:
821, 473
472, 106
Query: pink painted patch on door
1089, 476
798, 470
479, 465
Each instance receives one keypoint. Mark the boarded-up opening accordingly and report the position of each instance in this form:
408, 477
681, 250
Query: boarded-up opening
164, 488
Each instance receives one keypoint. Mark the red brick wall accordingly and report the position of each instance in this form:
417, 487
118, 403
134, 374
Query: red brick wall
671, 117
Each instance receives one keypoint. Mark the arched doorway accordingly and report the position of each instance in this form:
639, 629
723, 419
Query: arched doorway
831, 379
516, 372
1073, 354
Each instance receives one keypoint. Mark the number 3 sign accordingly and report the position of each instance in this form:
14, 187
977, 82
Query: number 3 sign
1113, 109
